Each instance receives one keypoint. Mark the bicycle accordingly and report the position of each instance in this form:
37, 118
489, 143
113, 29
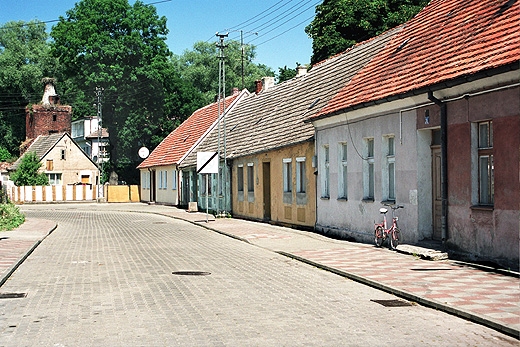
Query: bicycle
382, 232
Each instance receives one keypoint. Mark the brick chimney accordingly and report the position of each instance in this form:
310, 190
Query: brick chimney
258, 86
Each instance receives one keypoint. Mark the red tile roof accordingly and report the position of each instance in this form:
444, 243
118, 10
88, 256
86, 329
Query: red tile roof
448, 39
178, 143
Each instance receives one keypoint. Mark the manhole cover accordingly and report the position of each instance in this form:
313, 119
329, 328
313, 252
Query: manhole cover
191, 273
159, 223
393, 303
12, 295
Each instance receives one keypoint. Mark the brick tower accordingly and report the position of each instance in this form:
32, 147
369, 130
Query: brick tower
49, 116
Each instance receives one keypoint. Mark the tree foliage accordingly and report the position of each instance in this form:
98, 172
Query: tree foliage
200, 66
24, 60
339, 24
285, 73
121, 48
27, 173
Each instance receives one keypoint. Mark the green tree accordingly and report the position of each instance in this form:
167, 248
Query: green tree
121, 48
24, 60
200, 66
27, 173
285, 73
4, 154
340, 24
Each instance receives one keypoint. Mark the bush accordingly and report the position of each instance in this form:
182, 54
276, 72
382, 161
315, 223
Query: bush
10, 217
27, 172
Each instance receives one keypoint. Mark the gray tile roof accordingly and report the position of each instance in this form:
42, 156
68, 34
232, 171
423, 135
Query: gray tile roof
42, 145
274, 118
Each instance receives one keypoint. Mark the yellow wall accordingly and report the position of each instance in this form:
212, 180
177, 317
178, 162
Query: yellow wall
122, 193
300, 210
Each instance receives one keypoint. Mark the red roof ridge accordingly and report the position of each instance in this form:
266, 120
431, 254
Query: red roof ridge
444, 41
181, 140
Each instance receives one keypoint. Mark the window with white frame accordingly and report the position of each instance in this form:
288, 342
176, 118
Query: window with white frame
54, 179
145, 179
342, 177
301, 178
240, 178
368, 170
325, 190
174, 179
163, 179
486, 185
250, 178
287, 175
389, 168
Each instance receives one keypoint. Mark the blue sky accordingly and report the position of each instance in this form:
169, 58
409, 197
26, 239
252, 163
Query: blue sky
281, 40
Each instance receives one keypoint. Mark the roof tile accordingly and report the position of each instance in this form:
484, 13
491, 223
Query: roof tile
177, 144
448, 39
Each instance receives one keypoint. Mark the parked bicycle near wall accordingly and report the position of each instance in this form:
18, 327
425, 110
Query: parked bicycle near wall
383, 232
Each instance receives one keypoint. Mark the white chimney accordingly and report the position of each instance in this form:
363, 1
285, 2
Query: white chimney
267, 82
49, 92
302, 70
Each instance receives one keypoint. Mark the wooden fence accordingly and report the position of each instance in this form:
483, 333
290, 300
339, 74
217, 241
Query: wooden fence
62, 193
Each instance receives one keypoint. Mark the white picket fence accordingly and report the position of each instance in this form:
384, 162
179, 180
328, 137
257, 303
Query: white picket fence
85, 192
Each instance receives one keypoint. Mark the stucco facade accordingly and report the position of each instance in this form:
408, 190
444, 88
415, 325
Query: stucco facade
491, 229
70, 162
273, 197
160, 184
476, 227
347, 208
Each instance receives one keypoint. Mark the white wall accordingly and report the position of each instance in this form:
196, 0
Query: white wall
354, 217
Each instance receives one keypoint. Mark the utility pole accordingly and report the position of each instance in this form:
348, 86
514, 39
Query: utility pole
221, 99
99, 94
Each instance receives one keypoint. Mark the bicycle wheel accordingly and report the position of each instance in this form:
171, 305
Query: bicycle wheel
395, 237
378, 236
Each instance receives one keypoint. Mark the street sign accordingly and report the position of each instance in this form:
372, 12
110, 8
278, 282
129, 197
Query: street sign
207, 162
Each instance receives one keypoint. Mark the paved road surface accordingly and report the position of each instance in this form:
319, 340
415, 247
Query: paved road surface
104, 278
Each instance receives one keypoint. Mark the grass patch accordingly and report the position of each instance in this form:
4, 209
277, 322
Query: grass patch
10, 216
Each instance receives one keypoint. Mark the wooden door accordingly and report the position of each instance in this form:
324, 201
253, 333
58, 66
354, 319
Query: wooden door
437, 193
266, 168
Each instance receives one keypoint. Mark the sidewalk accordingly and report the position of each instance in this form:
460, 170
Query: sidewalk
475, 293
16, 245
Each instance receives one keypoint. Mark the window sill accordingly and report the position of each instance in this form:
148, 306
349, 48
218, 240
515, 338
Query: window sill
388, 202
342, 199
368, 200
483, 207
325, 198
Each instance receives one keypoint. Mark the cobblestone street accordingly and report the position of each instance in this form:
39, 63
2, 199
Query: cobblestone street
105, 278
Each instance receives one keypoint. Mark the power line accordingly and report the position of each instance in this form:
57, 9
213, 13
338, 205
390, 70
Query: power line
285, 22
242, 24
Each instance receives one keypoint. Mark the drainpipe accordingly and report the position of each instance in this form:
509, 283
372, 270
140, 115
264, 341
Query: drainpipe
444, 163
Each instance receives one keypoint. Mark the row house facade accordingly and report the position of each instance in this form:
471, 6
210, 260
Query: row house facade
431, 123
162, 181
269, 149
